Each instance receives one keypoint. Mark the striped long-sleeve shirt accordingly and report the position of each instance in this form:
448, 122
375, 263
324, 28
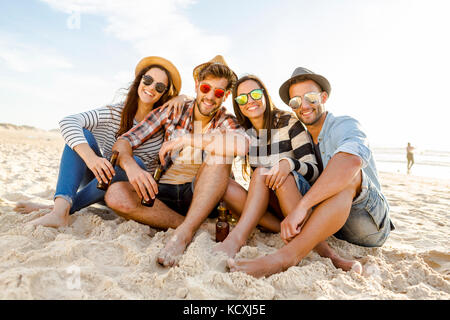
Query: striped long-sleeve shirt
104, 123
289, 140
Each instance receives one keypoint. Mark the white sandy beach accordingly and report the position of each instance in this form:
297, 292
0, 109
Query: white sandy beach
103, 256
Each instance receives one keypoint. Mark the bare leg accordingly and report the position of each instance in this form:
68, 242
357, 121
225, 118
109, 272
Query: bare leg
288, 197
58, 217
327, 218
27, 207
123, 199
235, 198
254, 208
209, 189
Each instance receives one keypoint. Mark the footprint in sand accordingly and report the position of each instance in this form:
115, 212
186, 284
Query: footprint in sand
439, 261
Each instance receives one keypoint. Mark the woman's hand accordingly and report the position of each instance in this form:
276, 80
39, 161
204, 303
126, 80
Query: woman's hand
278, 174
177, 103
101, 168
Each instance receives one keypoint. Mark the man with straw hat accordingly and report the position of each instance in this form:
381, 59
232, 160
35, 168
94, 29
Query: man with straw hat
345, 201
196, 138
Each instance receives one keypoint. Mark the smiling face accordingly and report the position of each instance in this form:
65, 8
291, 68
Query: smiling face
208, 102
147, 93
308, 113
253, 109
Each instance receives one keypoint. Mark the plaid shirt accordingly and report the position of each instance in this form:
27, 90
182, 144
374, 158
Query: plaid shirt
183, 123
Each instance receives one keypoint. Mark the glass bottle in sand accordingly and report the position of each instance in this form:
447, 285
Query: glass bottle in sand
159, 171
222, 225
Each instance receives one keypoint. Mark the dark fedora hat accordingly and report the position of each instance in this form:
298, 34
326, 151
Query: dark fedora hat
303, 74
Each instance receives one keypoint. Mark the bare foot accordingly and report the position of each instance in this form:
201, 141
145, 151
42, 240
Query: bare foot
259, 267
169, 256
347, 264
27, 207
325, 251
230, 246
58, 217
52, 219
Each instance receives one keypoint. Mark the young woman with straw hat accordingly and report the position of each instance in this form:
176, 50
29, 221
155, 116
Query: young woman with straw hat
90, 135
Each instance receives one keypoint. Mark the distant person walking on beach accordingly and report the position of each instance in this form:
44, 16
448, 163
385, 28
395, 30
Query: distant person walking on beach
346, 199
409, 156
90, 135
282, 165
191, 188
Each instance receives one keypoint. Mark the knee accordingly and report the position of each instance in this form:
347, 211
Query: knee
89, 137
288, 185
119, 198
259, 173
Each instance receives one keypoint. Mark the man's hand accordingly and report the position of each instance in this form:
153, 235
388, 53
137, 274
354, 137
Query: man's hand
171, 146
143, 182
278, 174
293, 223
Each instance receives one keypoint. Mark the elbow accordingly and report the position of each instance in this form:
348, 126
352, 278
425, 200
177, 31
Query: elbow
356, 162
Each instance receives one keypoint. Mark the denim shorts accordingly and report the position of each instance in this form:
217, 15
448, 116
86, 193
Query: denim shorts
302, 184
368, 223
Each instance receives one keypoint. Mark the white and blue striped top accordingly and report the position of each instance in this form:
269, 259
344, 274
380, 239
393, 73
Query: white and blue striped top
104, 123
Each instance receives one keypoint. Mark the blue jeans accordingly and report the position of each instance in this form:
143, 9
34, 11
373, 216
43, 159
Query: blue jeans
76, 183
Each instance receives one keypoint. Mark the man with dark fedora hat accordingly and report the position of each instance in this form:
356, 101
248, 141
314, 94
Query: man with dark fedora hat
196, 138
345, 201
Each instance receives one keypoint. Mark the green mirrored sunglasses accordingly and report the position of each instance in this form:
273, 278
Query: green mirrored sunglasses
242, 99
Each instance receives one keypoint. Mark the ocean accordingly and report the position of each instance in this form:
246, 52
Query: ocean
427, 163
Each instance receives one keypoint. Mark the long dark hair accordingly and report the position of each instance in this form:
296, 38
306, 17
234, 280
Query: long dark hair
268, 116
131, 102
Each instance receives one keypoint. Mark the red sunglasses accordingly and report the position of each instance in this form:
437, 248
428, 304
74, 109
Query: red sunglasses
205, 88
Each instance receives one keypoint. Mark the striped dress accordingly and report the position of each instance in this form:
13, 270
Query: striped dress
104, 123
289, 140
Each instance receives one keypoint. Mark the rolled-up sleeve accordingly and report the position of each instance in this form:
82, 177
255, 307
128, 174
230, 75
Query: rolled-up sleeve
143, 131
351, 139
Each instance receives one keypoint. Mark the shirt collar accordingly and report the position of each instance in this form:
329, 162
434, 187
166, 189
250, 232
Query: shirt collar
329, 118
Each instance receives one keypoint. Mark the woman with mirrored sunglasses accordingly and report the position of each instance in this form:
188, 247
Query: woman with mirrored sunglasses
281, 165
90, 135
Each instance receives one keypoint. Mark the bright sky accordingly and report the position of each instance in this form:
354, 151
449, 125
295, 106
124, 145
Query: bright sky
383, 58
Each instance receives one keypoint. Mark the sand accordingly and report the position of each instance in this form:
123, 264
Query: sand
103, 256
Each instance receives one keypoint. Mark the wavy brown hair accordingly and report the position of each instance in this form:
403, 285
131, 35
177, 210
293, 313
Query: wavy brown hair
218, 70
268, 116
131, 102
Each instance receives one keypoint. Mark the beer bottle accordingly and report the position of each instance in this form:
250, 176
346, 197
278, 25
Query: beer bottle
222, 225
159, 171
100, 184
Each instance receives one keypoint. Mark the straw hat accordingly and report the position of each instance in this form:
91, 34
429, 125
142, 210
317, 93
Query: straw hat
173, 71
216, 60
304, 74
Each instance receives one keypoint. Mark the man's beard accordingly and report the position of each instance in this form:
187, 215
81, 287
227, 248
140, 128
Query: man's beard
206, 114
318, 112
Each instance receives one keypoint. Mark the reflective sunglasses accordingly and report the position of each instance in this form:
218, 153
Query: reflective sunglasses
159, 86
242, 99
205, 88
312, 98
